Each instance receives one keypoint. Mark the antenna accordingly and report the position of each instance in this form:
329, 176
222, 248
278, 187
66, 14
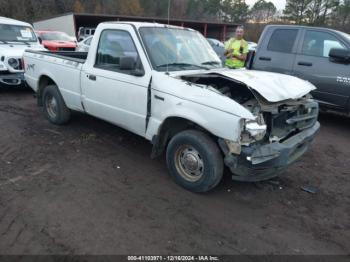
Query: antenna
169, 4
167, 54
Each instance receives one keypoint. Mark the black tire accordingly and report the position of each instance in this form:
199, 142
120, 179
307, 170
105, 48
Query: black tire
56, 112
192, 147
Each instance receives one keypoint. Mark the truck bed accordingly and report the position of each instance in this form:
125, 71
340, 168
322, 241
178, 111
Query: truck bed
79, 57
63, 68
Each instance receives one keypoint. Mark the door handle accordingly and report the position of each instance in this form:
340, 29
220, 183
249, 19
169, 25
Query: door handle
92, 77
304, 63
263, 58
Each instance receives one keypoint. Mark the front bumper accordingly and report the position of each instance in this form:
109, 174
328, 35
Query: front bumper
262, 162
12, 79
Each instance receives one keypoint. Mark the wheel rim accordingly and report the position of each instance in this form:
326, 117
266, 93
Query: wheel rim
51, 106
189, 163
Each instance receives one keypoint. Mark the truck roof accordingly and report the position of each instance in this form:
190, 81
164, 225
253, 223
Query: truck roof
146, 24
10, 21
302, 26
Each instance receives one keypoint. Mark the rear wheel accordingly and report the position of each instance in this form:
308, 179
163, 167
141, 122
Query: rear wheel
195, 161
55, 109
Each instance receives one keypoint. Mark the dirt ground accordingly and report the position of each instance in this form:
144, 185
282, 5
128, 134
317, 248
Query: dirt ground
91, 188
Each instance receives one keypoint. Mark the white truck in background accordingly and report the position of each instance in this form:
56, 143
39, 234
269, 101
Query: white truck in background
166, 84
15, 37
85, 32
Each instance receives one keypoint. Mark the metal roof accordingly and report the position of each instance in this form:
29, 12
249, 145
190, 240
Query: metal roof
144, 18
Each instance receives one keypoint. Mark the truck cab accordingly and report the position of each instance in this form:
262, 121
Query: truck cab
15, 38
318, 55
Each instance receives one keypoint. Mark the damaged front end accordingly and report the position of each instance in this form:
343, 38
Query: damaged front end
281, 133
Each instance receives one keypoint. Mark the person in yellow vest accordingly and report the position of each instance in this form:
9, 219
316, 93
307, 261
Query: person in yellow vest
236, 50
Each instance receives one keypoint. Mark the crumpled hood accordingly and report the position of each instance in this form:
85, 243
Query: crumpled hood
172, 85
15, 50
273, 87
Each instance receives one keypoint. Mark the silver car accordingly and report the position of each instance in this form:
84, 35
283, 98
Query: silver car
83, 46
218, 47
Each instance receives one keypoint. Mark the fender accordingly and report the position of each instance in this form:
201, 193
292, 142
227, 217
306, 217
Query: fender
175, 98
47, 74
40, 84
218, 123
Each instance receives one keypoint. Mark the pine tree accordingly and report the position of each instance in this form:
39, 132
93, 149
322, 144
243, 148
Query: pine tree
296, 10
312, 12
235, 10
340, 16
262, 11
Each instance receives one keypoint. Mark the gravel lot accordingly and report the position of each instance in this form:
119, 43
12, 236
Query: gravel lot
91, 188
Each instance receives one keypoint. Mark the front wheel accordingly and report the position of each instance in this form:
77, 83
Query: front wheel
195, 161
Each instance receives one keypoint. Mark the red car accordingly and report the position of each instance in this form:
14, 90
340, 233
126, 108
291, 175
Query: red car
56, 41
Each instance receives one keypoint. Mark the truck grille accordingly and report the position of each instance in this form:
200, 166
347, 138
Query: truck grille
66, 49
288, 123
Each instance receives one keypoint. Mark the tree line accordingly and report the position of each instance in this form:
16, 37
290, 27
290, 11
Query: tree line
332, 13
31, 10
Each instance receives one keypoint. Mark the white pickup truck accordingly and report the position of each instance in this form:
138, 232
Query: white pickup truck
167, 85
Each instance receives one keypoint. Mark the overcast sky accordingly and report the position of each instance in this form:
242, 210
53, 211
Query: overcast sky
280, 4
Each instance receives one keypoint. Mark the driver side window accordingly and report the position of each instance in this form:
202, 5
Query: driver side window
113, 45
319, 43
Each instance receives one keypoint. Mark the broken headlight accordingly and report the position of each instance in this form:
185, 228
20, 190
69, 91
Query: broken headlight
254, 130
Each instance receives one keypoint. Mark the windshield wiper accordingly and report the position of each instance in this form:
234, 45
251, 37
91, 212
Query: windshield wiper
4, 42
182, 65
212, 63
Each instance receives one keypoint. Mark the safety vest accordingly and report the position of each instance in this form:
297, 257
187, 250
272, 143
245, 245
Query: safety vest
239, 47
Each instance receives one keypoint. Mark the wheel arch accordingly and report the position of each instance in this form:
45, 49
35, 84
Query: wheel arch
169, 128
44, 80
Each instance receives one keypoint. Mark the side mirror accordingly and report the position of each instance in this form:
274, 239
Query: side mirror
40, 40
339, 55
128, 63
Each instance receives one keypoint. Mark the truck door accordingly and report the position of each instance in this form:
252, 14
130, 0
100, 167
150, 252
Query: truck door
276, 52
312, 63
110, 93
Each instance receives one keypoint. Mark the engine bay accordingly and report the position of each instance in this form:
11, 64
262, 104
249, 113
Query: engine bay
282, 119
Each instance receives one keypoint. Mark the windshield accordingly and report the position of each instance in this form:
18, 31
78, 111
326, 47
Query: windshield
15, 33
55, 36
175, 49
